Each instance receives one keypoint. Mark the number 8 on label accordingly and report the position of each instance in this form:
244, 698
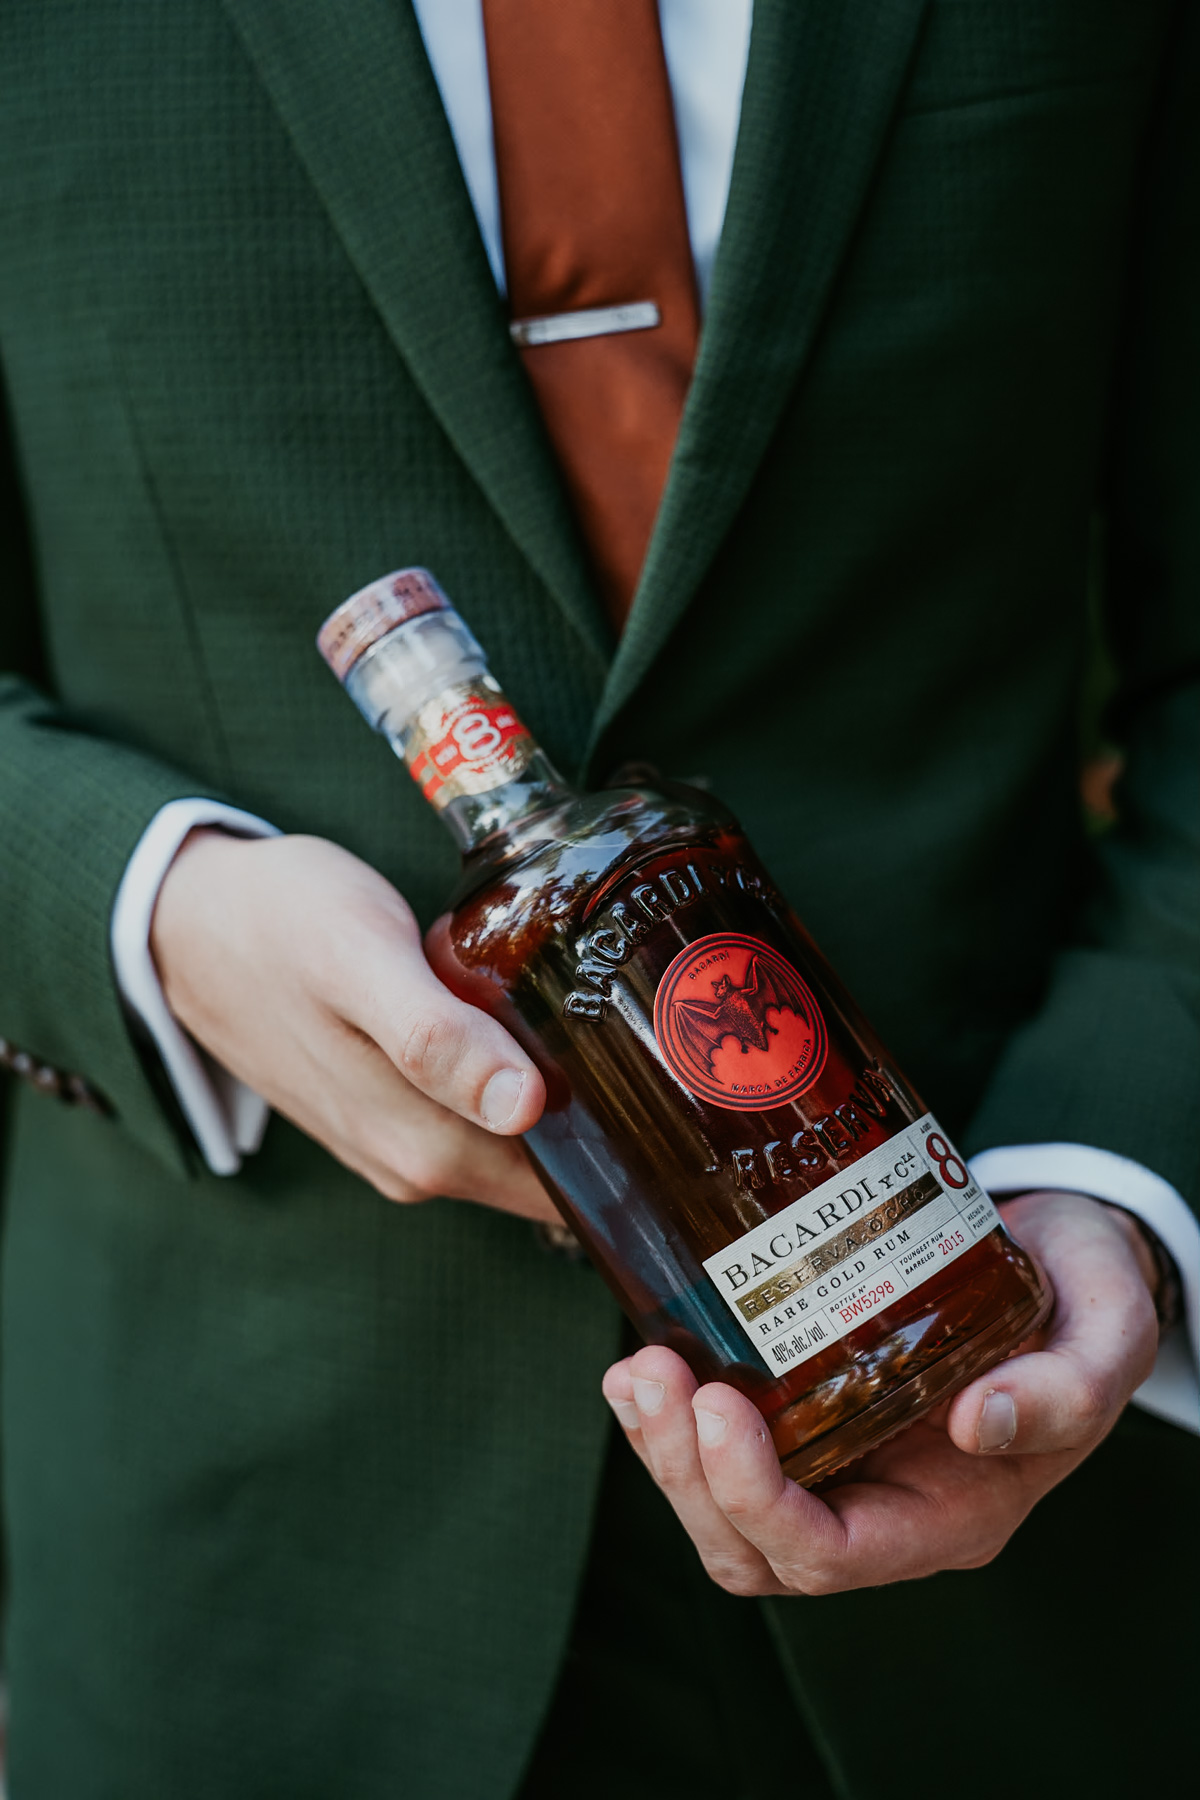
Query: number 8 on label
951, 1168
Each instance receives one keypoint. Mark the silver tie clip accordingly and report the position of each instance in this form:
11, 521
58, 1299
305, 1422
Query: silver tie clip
592, 321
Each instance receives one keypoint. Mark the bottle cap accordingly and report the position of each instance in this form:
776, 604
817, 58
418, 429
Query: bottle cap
375, 610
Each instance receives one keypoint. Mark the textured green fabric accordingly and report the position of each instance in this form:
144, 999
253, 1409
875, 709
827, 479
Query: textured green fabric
976, 1684
1037, 1674
682, 1666
298, 1484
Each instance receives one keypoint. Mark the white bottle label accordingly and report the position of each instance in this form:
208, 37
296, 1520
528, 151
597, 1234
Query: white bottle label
851, 1247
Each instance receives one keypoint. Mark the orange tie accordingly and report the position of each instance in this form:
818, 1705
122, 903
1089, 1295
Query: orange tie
593, 220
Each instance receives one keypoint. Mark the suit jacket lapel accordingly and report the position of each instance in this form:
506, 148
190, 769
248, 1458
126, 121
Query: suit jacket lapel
821, 82
355, 90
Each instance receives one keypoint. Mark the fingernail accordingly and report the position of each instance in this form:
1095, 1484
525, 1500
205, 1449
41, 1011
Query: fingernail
627, 1413
501, 1097
710, 1426
649, 1395
997, 1421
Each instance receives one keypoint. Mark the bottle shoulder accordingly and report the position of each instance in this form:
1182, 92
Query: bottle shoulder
556, 869
588, 835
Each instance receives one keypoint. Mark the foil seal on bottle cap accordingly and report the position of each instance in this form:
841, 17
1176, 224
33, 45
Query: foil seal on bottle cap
373, 611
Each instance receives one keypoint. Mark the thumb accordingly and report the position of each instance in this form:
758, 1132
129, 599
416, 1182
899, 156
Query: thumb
450, 1050
1100, 1345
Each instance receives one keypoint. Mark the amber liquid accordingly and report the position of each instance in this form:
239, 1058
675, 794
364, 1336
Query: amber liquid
564, 930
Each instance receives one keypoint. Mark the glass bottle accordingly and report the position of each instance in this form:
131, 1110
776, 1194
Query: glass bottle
745, 1165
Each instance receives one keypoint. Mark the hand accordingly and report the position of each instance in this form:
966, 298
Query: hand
948, 1492
301, 971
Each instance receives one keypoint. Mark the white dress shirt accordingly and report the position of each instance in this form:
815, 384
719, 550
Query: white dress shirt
706, 44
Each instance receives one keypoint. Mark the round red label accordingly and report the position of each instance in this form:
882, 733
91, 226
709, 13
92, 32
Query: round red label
738, 1025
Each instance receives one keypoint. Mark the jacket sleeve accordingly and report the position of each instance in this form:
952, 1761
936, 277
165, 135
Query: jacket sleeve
1112, 1058
73, 806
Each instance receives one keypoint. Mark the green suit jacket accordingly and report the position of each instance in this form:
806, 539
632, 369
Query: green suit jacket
299, 1483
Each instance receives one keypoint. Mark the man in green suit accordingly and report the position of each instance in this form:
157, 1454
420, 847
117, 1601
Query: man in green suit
280, 1522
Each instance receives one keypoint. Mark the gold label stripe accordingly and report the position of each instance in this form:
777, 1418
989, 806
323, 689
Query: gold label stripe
819, 1262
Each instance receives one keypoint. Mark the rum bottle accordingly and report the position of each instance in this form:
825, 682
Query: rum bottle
743, 1162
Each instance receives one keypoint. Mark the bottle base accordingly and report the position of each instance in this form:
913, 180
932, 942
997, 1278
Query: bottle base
823, 1456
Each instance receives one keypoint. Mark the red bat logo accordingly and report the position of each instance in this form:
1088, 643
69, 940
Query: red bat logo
691, 1030
739, 1012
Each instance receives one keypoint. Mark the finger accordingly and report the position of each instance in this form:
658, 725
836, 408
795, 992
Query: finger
617, 1388
651, 1395
910, 1509
799, 1537
917, 1505
452, 1052
350, 1096
783, 1539
1100, 1345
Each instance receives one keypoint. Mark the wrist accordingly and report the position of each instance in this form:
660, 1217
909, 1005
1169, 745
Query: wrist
1155, 1262
184, 909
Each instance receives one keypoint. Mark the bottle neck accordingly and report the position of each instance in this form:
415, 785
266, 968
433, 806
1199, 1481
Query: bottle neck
475, 762
476, 819
426, 688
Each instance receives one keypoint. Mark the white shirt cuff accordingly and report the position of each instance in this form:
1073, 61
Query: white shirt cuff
1173, 1390
227, 1119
